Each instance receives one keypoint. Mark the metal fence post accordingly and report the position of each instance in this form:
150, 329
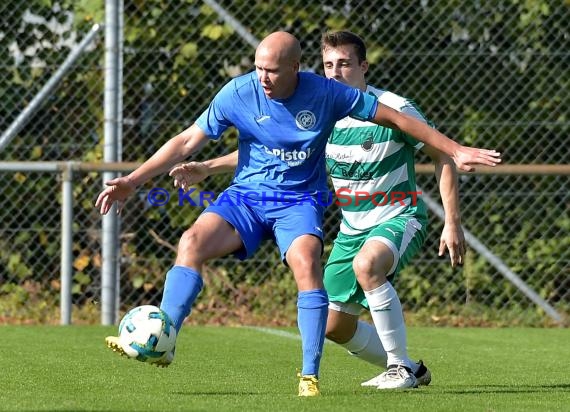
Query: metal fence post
113, 102
66, 242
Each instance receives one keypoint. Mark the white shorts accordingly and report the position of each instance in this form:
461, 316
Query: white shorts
346, 307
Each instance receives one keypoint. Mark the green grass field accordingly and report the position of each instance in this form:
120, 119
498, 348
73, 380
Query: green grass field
244, 369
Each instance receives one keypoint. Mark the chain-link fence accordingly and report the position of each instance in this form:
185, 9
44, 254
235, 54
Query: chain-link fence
490, 74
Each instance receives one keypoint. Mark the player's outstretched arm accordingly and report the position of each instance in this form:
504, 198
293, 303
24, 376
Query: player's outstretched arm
463, 156
172, 152
452, 238
188, 174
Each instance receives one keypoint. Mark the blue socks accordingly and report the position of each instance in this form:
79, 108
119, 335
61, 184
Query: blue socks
312, 321
183, 284
181, 288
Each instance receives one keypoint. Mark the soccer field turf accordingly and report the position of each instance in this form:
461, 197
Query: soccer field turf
246, 369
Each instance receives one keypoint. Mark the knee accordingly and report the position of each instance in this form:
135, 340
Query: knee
307, 266
363, 266
369, 270
189, 244
304, 254
307, 270
303, 260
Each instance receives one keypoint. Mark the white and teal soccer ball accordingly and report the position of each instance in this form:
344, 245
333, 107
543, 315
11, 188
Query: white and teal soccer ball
147, 333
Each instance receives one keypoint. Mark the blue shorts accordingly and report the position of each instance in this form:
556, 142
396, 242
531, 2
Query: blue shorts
281, 221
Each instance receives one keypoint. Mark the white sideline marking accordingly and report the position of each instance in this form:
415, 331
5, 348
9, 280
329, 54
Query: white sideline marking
277, 332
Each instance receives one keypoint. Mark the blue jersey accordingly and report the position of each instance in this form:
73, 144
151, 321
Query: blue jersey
282, 141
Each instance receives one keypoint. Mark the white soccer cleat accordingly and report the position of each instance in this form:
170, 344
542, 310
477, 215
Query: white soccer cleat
423, 377
372, 383
397, 377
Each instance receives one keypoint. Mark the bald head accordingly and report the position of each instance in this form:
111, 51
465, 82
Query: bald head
282, 46
277, 61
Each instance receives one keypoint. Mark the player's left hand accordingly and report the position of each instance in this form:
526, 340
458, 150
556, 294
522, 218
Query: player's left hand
453, 240
465, 157
188, 174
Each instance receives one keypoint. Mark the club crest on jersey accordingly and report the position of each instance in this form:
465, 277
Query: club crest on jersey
368, 142
305, 120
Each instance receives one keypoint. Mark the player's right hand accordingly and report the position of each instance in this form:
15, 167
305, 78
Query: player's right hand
188, 174
117, 191
465, 157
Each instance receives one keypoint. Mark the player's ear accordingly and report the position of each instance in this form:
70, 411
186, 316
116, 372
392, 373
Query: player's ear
364, 66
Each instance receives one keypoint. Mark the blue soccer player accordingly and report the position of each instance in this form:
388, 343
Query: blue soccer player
284, 118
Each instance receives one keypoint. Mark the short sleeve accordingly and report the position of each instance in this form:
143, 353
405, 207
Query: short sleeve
216, 118
365, 107
411, 110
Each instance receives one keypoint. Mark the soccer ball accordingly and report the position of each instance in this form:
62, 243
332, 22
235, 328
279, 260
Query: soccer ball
147, 334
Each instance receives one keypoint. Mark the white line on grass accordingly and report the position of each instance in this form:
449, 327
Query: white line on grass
278, 332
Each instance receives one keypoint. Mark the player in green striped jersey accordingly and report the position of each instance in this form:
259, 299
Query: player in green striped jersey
383, 225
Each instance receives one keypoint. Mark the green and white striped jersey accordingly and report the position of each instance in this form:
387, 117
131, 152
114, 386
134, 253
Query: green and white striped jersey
372, 168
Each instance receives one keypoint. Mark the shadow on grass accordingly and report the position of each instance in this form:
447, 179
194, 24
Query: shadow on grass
216, 393
434, 390
475, 389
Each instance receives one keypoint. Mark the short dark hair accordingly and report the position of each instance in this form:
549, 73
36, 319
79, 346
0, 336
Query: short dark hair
343, 38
